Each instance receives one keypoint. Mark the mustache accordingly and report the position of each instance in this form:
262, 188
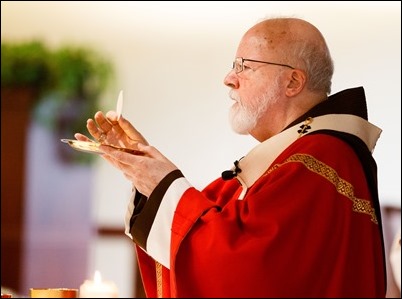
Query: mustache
234, 96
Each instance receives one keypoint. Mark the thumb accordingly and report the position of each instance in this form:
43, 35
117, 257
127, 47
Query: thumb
143, 147
149, 150
112, 117
131, 131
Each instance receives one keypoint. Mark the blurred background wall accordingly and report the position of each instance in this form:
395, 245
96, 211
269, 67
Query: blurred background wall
170, 59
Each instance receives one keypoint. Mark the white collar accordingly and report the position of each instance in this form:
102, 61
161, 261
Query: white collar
260, 158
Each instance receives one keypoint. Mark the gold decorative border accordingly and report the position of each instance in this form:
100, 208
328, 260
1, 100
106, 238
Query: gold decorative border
158, 268
342, 186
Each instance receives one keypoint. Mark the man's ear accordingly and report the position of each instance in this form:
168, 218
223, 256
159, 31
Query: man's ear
296, 83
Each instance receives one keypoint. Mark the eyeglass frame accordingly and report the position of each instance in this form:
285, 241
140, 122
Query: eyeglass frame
242, 60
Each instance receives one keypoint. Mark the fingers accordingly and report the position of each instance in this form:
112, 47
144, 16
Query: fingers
93, 129
99, 126
81, 137
112, 117
130, 131
124, 127
144, 171
103, 122
112, 161
110, 129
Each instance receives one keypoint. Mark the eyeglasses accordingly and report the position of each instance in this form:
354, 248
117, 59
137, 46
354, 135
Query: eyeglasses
238, 64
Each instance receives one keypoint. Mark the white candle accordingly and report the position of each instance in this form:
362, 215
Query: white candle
98, 288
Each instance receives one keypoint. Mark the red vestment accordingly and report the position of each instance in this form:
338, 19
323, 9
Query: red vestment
306, 226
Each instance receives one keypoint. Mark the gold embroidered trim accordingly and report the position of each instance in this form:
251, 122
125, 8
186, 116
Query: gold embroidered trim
342, 186
158, 268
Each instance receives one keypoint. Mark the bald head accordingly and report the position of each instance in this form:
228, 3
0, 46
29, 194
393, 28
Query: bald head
297, 43
282, 31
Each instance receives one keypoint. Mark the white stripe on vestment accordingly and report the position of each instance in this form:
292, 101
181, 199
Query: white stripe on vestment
129, 213
158, 242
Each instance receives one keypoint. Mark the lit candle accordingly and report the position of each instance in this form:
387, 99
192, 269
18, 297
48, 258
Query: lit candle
98, 288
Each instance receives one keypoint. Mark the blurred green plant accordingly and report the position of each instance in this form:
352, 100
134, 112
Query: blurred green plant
69, 81
25, 64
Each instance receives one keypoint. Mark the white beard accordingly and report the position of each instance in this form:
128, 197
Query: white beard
245, 113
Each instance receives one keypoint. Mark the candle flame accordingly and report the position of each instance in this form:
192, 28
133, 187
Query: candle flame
97, 277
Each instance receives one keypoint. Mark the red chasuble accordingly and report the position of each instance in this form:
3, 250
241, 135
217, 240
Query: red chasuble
306, 226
